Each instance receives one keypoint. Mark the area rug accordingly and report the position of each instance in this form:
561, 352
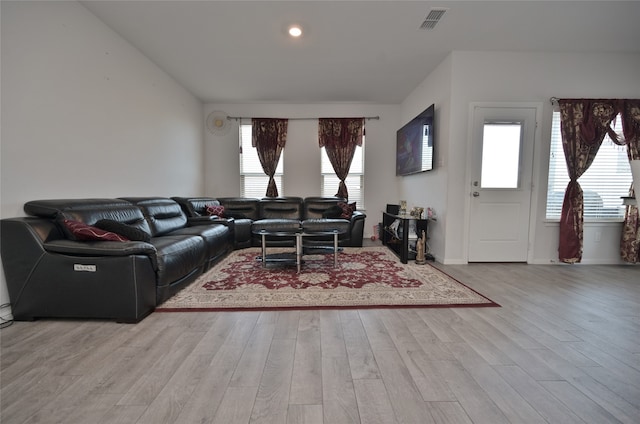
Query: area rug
364, 278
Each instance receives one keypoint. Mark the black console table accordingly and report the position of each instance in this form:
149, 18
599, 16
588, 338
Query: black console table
400, 233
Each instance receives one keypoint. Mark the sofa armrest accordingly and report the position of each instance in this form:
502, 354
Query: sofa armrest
103, 248
100, 248
357, 229
357, 219
42, 279
358, 215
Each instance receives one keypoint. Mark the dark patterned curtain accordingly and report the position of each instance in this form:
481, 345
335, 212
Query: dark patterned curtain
339, 137
269, 137
583, 125
630, 240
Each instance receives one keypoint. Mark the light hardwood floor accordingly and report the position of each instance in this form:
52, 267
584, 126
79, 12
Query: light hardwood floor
563, 348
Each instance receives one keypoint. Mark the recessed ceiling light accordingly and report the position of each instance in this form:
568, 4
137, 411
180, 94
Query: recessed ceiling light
295, 31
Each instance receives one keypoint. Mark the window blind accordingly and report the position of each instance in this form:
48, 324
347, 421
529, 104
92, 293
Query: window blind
603, 184
354, 180
253, 180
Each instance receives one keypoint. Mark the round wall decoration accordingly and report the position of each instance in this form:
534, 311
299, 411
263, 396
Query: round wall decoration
217, 123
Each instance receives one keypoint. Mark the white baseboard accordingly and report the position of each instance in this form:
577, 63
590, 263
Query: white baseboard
453, 262
584, 262
5, 313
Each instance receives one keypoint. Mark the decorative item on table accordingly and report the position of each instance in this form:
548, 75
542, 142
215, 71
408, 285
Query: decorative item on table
403, 207
431, 214
413, 229
420, 249
417, 212
394, 228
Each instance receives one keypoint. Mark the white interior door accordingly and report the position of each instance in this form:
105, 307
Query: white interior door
502, 162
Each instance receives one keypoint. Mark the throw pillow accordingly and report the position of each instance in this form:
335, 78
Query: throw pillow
81, 231
347, 209
217, 210
128, 231
333, 212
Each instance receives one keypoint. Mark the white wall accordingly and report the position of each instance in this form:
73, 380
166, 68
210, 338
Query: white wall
84, 114
302, 153
529, 77
429, 189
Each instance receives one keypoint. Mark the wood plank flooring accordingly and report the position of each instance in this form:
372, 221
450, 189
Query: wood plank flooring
563, 348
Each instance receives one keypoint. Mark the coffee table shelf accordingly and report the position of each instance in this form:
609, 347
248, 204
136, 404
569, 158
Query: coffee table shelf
299, 245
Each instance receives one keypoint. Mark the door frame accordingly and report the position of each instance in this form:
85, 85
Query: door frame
535, 171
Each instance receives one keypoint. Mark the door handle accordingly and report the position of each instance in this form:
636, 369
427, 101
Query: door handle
475, 194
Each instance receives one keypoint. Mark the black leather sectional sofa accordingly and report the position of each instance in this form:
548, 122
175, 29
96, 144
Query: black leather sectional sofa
309, 213
50, 273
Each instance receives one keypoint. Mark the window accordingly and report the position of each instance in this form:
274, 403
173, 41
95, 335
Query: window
501, 155
354, 181
607, 179
253, 180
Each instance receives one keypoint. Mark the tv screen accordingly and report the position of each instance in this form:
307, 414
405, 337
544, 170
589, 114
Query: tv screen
414, 144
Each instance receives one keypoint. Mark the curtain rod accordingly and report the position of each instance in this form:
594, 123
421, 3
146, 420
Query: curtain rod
554, 100
297, 119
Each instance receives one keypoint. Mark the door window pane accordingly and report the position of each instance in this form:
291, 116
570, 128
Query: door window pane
501, 155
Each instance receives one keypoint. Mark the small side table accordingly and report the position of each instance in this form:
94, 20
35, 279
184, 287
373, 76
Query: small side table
398, 241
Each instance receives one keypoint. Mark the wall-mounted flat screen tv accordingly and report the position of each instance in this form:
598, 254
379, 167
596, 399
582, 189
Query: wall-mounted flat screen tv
414, 144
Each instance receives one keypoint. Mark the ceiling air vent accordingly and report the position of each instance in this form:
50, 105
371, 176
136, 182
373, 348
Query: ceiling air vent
434, 16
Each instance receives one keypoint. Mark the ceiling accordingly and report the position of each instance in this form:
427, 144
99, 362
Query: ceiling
351, 51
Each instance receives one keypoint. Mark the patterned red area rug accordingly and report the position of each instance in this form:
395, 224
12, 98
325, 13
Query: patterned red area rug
365, 277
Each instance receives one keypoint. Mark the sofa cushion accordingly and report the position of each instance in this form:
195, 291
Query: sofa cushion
178, 256
128, 231
77, 230
218, 238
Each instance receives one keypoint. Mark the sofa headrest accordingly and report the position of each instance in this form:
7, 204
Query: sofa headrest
238, 207
195, 206
163, 214
314, 207
89, 211
51, 207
